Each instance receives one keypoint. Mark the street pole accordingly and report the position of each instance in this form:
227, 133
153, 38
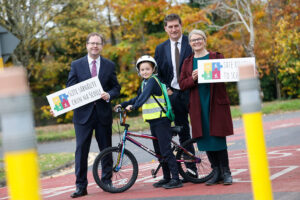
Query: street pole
8, 43
18, 138
1, 59
250, 104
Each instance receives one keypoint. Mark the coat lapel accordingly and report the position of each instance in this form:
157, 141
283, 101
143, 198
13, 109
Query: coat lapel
168, 53
102, 69
184, 45
86, 68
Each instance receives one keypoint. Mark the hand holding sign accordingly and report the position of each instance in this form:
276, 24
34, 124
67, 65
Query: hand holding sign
195, 74
105, 96
77, 95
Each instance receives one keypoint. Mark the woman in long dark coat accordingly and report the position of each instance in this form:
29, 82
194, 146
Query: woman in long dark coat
209, 110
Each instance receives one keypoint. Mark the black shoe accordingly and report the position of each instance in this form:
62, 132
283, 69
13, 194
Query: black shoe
161, 183
216, 178
173, 184
227, 176
79, 192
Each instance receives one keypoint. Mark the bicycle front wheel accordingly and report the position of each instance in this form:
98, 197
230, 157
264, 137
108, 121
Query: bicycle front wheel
195, 168
114, 172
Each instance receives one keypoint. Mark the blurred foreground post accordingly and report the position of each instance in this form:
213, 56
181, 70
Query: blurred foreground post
250, 104
19, 143
1, 59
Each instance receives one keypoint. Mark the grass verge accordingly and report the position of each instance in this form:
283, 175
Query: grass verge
63, 132
48, 163
271, 107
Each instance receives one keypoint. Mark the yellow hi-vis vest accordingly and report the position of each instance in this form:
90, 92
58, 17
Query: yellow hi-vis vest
151, 109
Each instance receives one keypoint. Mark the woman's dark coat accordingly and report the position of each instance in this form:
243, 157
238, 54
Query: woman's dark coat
220, 117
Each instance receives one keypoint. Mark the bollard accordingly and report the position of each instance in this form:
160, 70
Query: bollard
1, 63
250, 104
1, 59
19, 143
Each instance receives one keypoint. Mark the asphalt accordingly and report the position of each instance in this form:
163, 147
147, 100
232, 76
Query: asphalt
282, 137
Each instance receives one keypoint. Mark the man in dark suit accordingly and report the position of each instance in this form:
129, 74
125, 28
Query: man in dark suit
169, 56
169, 73
96, 115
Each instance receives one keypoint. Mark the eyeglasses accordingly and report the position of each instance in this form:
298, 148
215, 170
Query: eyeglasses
197, 40
95, 43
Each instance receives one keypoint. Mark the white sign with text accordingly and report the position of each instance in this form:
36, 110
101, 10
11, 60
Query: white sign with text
221, 70
75, 96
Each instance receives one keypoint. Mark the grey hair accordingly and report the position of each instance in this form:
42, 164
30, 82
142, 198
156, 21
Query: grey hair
198, 32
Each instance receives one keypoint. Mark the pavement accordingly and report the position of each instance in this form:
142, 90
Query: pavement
282, 137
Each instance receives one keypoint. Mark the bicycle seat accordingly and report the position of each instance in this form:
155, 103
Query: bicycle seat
176, 130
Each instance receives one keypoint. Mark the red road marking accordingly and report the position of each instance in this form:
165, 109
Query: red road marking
284, 163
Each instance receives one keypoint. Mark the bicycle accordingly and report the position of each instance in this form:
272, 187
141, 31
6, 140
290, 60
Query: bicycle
121, 167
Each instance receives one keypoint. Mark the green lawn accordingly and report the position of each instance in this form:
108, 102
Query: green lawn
47, 162
271, 107
54, 160
55, 134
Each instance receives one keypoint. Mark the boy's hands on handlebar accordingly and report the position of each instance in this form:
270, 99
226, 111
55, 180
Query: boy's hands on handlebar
129, 107
117, 107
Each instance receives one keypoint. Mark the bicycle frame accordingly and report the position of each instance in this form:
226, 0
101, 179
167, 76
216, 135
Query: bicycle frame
128, 136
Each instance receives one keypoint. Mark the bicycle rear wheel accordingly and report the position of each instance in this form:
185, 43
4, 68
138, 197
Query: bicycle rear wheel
196, 168
115, 174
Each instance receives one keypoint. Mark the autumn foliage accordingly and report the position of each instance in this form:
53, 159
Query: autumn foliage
133, 28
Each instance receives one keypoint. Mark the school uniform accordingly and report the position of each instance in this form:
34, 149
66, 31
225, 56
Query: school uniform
160, 125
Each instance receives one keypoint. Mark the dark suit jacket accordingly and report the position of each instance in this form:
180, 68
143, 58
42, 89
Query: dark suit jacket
220, 121
80, 72
164, 60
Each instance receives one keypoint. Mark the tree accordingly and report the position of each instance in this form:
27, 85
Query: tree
238, 14
286, 56
30, 21
277, 49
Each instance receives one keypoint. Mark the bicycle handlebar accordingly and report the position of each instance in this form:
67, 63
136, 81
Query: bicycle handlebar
122, 113
118, 109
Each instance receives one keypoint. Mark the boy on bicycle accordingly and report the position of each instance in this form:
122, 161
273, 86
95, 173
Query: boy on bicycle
160, 125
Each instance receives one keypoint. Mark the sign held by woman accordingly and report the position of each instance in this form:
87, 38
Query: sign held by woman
221, 70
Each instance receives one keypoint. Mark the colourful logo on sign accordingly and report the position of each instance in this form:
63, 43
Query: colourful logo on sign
212, 71
61, 102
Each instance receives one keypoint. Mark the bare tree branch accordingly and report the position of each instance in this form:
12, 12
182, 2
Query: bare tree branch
237, 12
226, 25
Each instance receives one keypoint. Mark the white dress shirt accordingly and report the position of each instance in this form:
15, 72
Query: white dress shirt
174, 83
90, 61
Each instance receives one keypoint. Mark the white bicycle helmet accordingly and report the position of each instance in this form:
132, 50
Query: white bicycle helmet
145, 58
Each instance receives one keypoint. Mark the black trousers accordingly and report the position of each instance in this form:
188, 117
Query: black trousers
161, 129
179, 104
218, 158
83, 142
179, 100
